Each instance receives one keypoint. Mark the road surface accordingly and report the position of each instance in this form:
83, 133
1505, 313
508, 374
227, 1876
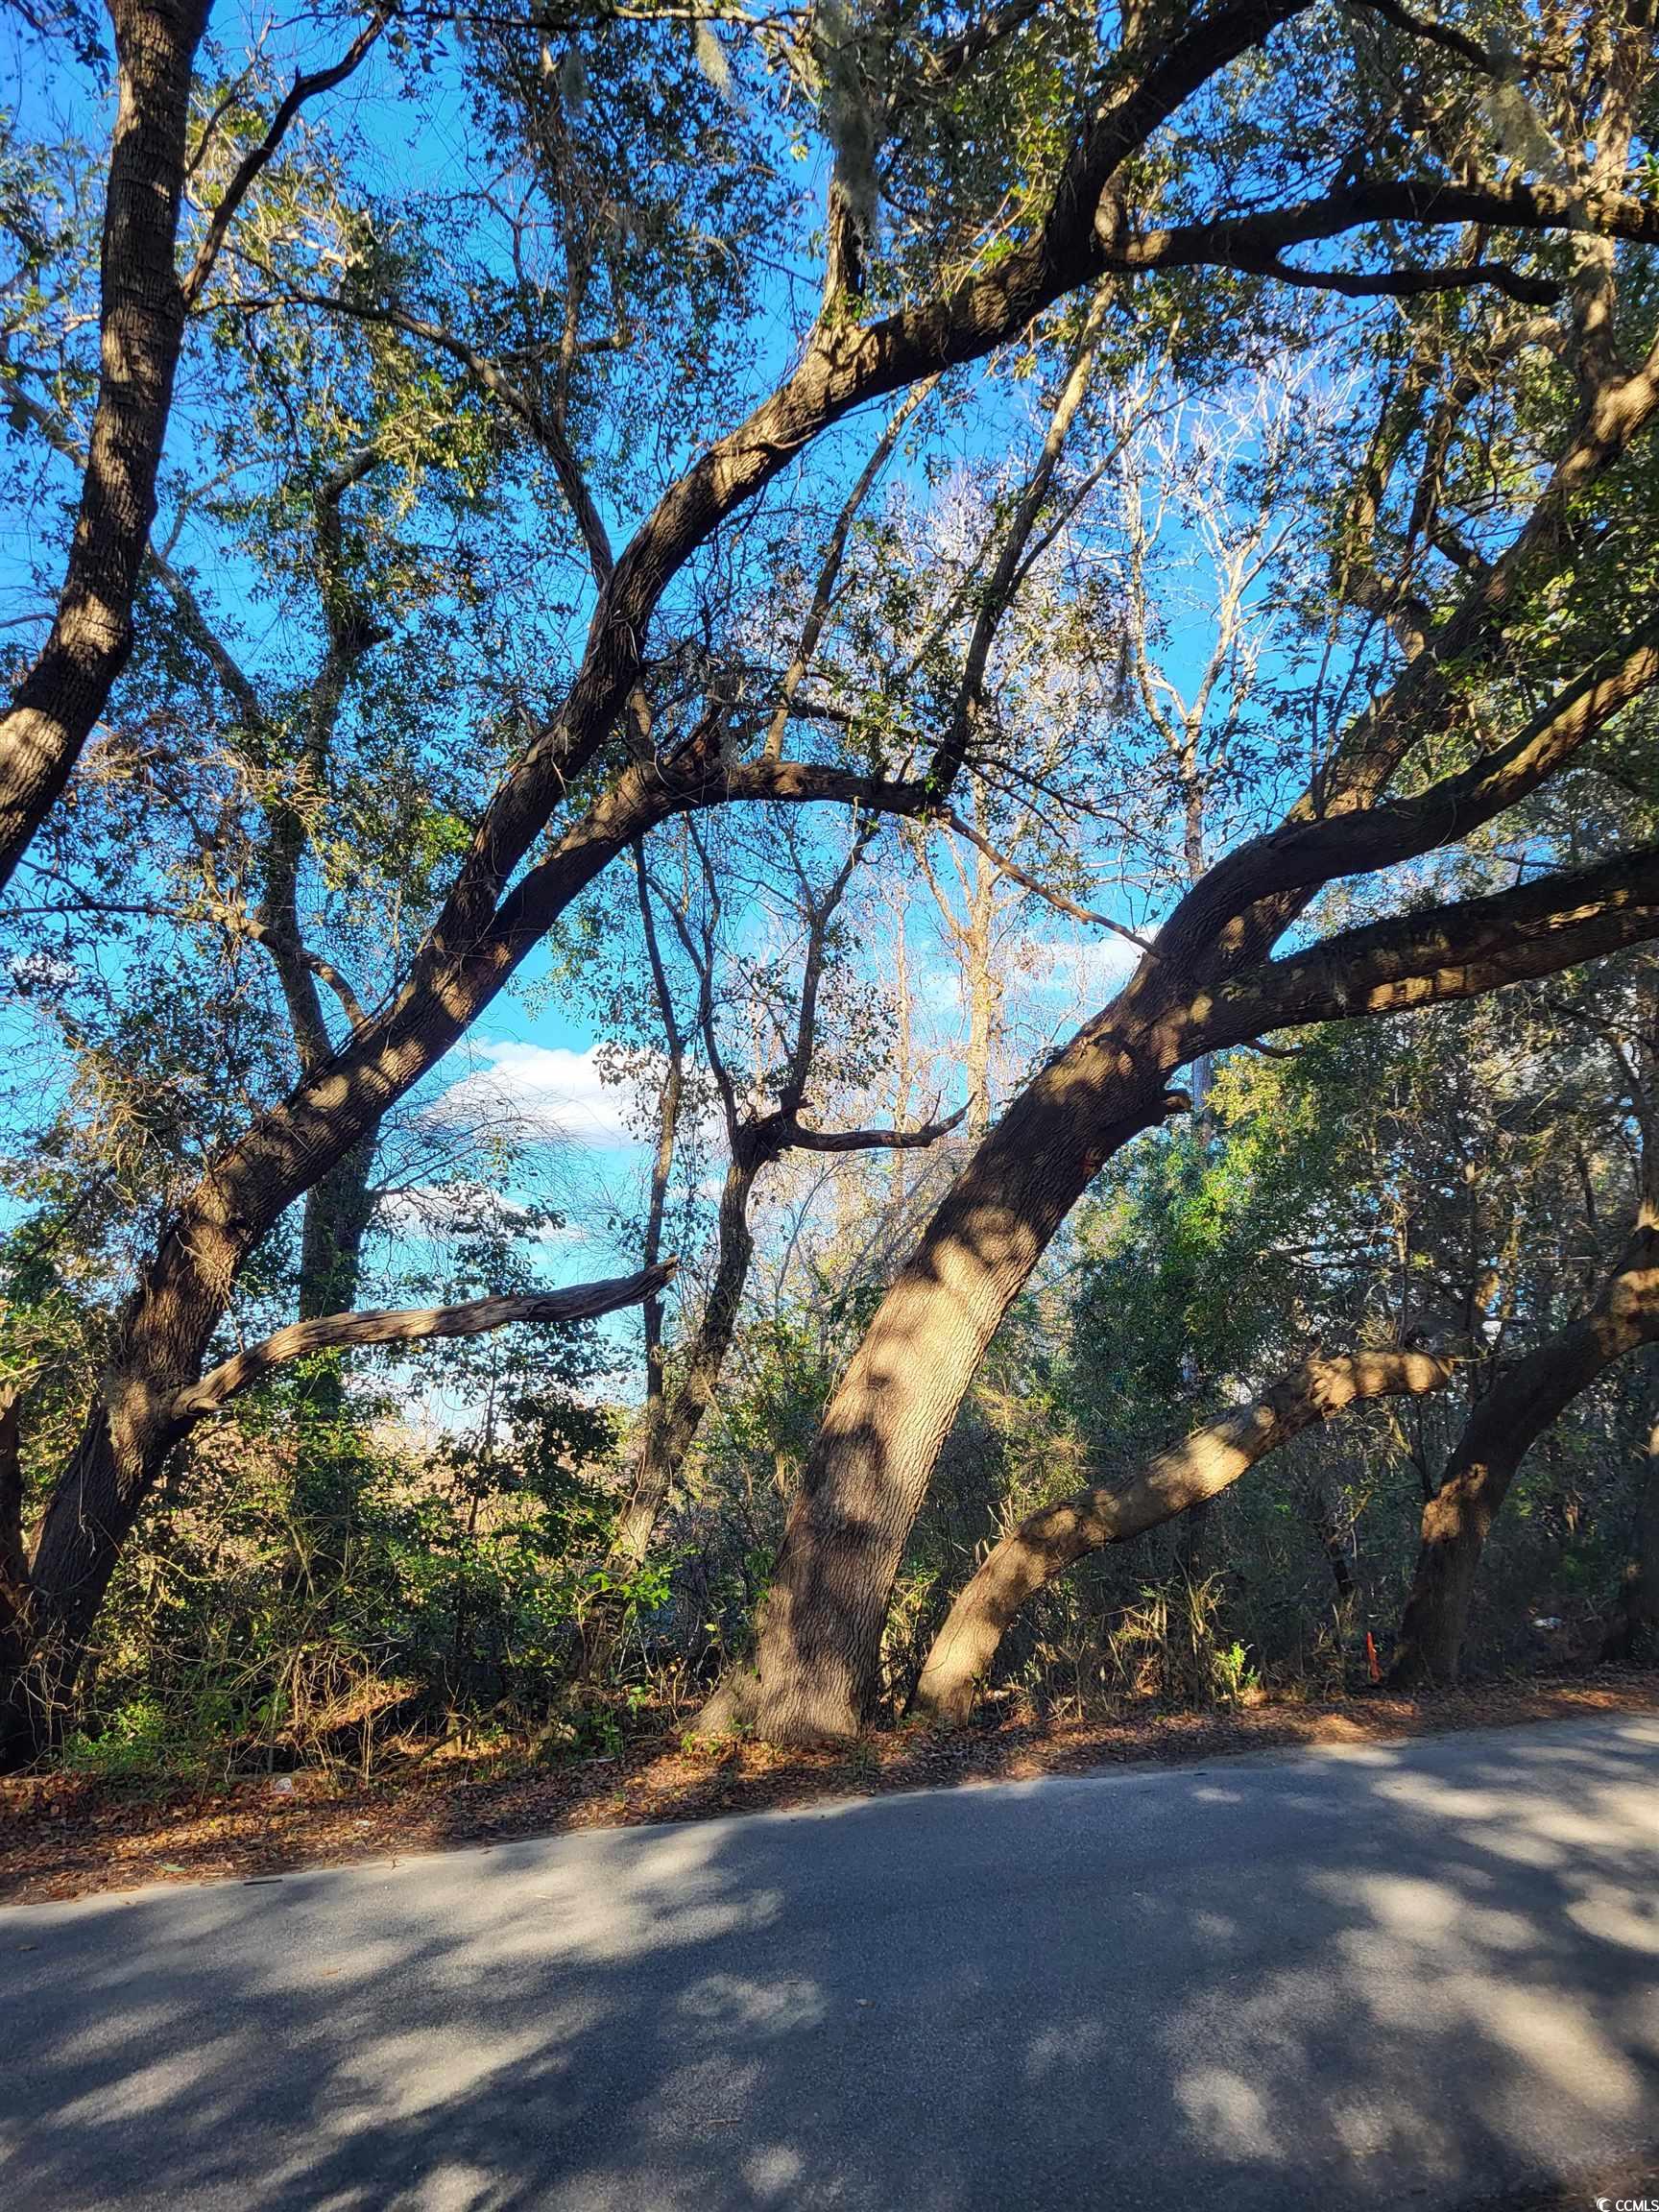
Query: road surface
1419, 1975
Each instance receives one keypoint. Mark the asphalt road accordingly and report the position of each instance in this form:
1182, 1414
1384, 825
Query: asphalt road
1414, 1976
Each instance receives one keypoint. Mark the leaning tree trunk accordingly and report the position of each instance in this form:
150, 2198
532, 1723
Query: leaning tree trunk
56, 705
129, 1432
819, 1646
139, 1419
135, 1420
1525, 1399
186, 1289
123, 1447
1187, 1476
669, 1426
819, 1649
667, 1440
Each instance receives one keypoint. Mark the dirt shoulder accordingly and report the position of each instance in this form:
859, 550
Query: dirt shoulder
65, 1837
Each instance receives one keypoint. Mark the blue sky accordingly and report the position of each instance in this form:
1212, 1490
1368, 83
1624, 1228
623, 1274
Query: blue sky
536, 1044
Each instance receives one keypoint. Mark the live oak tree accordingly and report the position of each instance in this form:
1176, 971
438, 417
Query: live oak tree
1514, 1397
979, 176
1527, 1393
149, 281
1455, 1195
884, 1426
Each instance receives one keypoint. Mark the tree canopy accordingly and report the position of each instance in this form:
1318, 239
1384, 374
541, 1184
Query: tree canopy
923, 611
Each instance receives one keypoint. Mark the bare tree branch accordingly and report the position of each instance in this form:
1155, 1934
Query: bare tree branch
873, 1140
1058, 900
1252, 242
410, 1325
305, 86
830, 567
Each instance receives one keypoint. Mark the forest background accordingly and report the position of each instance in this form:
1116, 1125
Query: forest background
624, 617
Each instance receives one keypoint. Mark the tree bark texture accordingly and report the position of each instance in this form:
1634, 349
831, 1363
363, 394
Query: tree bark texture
874, 1457
1187, 1476
1526, 1398
141, 327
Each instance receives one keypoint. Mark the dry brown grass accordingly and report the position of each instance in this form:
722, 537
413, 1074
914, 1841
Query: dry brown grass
63, 1837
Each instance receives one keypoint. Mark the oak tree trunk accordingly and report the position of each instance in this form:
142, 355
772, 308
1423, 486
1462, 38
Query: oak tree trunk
1525, 1399
1177, 1481
870, 1464
56, 705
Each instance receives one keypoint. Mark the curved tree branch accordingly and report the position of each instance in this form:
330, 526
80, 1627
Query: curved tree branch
305, 86
1283, 868
1253, 243
872, 1139
411, 1325
1441, 952
1208, 1463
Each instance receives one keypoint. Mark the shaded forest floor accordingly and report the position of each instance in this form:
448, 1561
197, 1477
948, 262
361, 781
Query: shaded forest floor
63, 1835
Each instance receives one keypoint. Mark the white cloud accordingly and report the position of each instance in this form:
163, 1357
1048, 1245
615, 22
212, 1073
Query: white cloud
1087, 972
466, 1207
540, 1094
40, 974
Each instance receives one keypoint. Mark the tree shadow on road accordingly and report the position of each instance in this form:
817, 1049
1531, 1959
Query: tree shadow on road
1398, 1975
